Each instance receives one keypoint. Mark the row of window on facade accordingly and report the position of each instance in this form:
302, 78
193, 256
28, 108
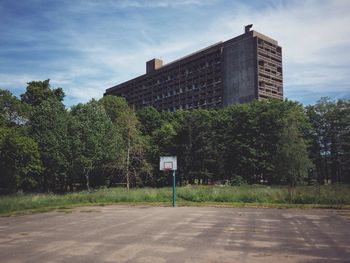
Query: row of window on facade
168, 95
263, 43
193, 87
204, 99
269, 66
195, 104
272, 57
263, 84
269, 78
274, 50
170, 78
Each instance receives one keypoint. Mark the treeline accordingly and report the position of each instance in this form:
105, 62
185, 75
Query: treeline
46, 147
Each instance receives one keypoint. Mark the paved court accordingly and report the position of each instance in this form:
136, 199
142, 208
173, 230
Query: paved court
183, 234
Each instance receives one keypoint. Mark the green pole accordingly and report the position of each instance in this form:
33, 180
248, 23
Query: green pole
174, 189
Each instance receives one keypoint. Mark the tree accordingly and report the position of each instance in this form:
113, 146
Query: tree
45, 146
20, 162
292, 161
39, 91
343, 140
126, 125
93, 141
195, 151
237, 142
19, 155
150, 120
331, 139
12, 111
161, 143
47, 125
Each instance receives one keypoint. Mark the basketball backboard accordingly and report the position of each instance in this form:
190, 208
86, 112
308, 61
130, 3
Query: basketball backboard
168, 163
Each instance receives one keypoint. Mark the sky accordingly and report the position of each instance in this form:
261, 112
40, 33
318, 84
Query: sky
86, 46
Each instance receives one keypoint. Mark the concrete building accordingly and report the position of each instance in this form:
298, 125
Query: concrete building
238, 70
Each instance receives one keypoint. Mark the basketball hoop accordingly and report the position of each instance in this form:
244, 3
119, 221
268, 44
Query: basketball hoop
167, 164
167, 170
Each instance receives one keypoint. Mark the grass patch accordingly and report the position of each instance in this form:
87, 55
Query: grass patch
337, 196
329, 194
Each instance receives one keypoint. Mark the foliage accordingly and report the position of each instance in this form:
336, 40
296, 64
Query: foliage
292, 161
47, 125
150, 120
132, 161
19, 154
12, 111
193, 146
331, 139
93, 141
20, 162
39, 91
46, 147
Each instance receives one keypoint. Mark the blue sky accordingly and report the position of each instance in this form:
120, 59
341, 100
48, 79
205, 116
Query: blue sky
87, 46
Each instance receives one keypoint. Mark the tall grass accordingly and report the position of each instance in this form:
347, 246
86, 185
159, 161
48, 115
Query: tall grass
330, 195
22, 202
323, 195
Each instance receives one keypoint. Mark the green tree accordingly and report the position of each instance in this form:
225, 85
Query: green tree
19, 155
237, 141
292, 158
342, 172
246, 136
158, 131
47, 125
20, 163
161, 143
194, 148
150, 120
39, 91
93, 140
132, 155
331, 139
12, 111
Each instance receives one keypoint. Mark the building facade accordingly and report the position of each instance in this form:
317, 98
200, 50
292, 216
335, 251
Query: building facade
239, 70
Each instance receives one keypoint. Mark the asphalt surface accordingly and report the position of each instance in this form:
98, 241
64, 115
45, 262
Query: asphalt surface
182, 234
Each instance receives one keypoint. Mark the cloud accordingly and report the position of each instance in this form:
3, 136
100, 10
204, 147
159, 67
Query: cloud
313, 34
149, 4
88, 46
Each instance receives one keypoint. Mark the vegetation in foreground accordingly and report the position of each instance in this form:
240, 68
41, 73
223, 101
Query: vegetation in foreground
335, 196
45, 147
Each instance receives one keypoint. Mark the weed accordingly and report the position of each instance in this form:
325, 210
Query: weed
302, 196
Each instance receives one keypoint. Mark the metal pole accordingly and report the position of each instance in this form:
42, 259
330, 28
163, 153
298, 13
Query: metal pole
174, 189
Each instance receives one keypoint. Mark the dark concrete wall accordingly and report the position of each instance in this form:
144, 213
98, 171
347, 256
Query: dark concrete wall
239, 71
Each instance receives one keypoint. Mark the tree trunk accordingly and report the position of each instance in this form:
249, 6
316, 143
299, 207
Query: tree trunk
134, 177
87, 181
127, 166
